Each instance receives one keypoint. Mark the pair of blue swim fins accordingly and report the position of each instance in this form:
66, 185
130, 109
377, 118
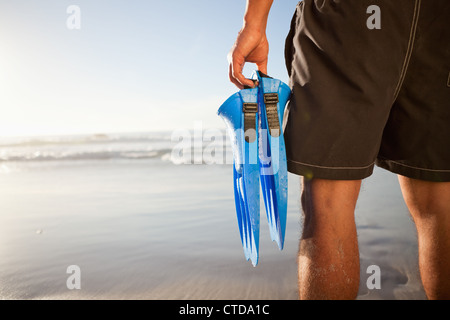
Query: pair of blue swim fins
254, 118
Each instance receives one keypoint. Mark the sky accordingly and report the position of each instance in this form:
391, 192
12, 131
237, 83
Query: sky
131, 66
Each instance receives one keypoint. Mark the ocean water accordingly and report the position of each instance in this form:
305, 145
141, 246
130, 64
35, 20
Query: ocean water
143, 220
136, 222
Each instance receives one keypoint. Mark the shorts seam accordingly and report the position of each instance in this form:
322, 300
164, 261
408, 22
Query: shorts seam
409, 49
336, 168
412, 167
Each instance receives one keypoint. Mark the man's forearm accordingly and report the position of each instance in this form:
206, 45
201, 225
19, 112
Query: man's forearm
256, 14
251, 44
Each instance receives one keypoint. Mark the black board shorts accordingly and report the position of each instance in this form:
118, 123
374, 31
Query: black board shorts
369, 91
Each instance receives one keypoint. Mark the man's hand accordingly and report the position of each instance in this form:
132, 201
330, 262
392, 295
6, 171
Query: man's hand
251, 44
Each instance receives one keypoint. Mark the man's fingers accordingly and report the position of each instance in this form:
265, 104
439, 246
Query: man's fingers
236, 76
262, 67
244, 81
233, 79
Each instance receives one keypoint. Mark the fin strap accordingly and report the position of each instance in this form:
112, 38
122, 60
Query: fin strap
271, 101
250, 110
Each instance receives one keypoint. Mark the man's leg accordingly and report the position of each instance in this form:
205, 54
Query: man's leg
328, 256
429, 204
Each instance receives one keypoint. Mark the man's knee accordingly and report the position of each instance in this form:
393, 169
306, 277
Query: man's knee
321, 194
328, 204
426, 199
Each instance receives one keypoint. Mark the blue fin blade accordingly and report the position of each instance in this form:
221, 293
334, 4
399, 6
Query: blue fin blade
245, 171
273, 164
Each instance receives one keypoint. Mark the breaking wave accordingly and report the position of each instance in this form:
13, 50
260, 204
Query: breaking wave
133, 146
86, 147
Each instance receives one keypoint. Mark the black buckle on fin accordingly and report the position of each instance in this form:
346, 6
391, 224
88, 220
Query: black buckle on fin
271, 101
250, 110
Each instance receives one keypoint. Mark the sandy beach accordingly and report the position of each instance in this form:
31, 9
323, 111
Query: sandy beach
140, 227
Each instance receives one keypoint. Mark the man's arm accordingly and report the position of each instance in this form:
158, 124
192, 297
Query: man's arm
251, 44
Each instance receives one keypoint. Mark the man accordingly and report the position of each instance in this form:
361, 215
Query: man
364, 92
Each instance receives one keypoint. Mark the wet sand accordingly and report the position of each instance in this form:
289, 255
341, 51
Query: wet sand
154, 230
